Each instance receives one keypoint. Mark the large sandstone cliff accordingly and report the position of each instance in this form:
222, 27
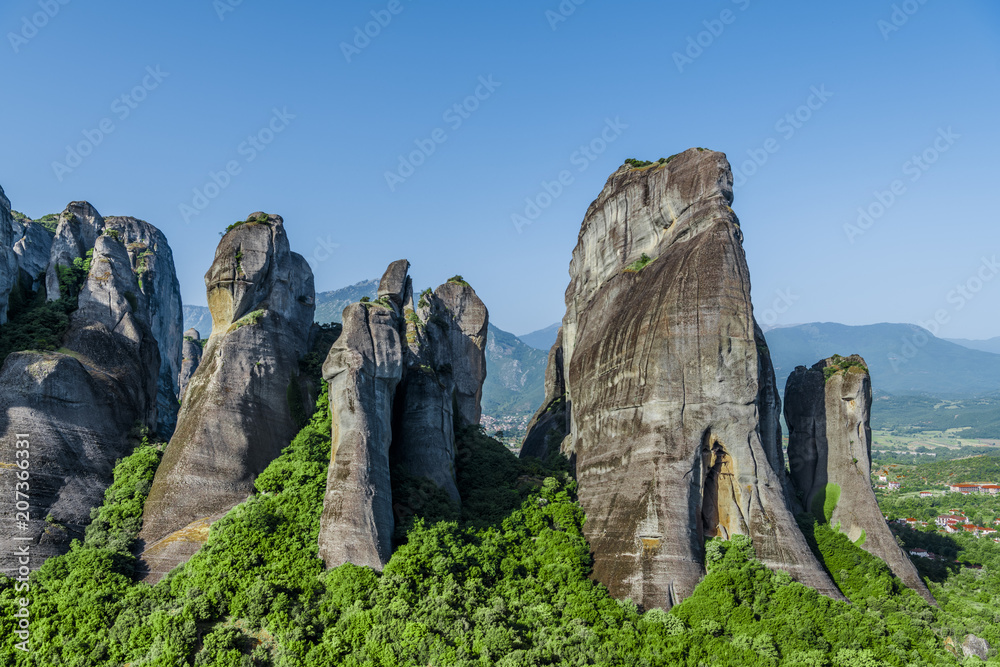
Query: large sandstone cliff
828, 412
237, 410
80, 406
671, 398
402, 375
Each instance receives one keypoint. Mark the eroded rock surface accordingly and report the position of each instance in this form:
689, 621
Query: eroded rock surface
363, 369
32, 249
828, 412
236, 415
673, 409
153, 263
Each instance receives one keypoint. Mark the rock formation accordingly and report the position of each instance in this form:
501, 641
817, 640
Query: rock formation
976, 646
669, 388
8, 260
79, 226
550, 425
190, 359
32, 250
153, 263
828, 411
79, 405
401, 376
237, 411
363, 369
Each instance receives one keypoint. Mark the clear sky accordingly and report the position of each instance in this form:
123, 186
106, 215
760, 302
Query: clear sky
329, 121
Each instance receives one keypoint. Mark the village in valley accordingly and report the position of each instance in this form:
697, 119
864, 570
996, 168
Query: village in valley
927, 500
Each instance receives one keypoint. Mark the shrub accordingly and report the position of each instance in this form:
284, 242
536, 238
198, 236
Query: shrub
639, 264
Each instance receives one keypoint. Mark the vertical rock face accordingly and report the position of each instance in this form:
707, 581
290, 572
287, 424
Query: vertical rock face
467, 322
78, 405
828, 412
673, 414
191, 358
153, 263
8, 260
236, 415
32, 250
550, 425
445, 370
363, 369
397, 375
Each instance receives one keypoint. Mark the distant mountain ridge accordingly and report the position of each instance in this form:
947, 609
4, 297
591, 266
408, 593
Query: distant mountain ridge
515, 375
904, 359
988, 345
543, 339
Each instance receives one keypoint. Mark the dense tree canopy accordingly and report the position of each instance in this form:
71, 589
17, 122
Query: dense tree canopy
501, 581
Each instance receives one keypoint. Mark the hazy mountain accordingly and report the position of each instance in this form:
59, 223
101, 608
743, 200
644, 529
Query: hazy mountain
330, 305
990, 345
903, 358
543, 338
515, 375
198, 318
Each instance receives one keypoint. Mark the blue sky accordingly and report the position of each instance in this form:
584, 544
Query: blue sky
897, 80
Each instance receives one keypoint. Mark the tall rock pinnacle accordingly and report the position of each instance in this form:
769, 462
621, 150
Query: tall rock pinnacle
828, 412
671, 398
401, 376
236, 415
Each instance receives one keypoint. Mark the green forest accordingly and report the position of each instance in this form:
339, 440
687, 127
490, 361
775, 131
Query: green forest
501, 581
